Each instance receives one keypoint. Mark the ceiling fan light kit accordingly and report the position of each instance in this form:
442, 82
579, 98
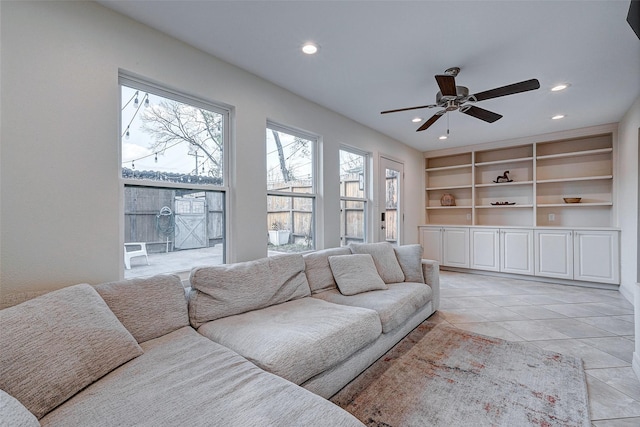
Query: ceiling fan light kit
452, 97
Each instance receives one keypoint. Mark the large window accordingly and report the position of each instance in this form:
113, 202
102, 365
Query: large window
174, 168
353, 196
291, 190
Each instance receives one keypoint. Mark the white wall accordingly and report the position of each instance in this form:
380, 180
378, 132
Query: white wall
629, 215
627, 202
60, 216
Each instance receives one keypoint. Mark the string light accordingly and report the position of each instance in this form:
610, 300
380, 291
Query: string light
136, 102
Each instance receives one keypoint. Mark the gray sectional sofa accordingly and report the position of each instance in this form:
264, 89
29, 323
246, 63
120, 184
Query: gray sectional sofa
259, 343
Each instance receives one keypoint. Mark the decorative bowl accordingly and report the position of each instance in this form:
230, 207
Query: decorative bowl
572, 199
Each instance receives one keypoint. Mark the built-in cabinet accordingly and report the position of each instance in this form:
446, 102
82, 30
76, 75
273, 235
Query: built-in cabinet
447, 245
505, 250
513, 204
571, 254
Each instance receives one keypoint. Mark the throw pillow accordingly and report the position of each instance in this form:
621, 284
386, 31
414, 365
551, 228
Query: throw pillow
55, 345
355, 274
410, 260
384, 258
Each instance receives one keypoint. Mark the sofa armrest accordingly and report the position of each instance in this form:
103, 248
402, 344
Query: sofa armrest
431, 270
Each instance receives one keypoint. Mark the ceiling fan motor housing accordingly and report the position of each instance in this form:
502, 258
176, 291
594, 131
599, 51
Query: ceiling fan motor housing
462, 92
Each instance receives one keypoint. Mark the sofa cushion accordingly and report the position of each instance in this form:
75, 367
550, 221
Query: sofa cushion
317, 268
225, 290
355, 273
14, 414
410, 260
394, 305
384, 258
148, 308
184, 378
55, 345
297, 339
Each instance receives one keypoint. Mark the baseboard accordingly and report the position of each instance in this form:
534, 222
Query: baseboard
595, 285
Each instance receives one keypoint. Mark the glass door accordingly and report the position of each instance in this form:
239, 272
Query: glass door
390, 212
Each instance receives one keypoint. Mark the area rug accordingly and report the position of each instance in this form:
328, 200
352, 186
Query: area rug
443, 376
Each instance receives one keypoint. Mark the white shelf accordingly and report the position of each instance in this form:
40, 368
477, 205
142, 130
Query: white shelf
507, 161
446, 168
452, 187
572, 205
575, 154
502, 206
448, 207
504, 184
581, 178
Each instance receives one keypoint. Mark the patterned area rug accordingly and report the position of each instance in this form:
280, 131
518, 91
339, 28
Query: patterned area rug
442, 376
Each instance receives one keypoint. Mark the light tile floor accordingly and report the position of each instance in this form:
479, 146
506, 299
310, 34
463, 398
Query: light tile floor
593, 324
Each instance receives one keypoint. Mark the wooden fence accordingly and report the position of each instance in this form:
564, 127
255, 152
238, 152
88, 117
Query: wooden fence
144, 221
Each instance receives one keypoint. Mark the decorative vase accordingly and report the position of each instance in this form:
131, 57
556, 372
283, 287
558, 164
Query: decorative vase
447, 199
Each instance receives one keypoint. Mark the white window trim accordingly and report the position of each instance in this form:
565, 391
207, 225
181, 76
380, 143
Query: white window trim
131, 80
367, 186
314, 195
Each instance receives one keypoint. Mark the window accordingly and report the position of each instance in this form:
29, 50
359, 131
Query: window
174, 169
353, 196
291, 190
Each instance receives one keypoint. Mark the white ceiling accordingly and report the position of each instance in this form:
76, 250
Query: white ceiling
381, 55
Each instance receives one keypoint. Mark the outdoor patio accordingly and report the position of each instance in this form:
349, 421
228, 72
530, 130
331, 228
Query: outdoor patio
173, 262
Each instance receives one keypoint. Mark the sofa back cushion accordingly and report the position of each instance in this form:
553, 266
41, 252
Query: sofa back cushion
318, 270
149, 308
56, 344
383, 257
410, 260
224, 290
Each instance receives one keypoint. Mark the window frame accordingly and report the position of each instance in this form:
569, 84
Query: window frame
366, 191
139, 83
313, 195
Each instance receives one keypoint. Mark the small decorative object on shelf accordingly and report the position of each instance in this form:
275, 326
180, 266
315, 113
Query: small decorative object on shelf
502, 203
572, 199
503, 178
447, 200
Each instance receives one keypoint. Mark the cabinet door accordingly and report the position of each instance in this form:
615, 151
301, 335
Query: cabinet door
485, 249
431, 241
554, 253
596, 256
455, 247
516, 251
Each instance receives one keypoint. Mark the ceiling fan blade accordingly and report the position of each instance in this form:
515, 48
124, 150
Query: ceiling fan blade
481, 113
447, 84
409, 108
524, 86
429, 122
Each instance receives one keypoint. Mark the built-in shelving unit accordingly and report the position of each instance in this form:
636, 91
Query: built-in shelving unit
540, 176
518, 222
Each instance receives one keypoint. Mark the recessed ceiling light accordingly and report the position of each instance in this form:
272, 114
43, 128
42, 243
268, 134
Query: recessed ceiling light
310, 48
559, 87
558, 117
416, 119
443, 137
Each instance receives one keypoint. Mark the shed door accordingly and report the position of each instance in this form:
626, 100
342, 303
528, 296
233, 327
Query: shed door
191, 223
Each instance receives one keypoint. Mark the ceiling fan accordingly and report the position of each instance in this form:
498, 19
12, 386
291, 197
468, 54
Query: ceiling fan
452, 97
